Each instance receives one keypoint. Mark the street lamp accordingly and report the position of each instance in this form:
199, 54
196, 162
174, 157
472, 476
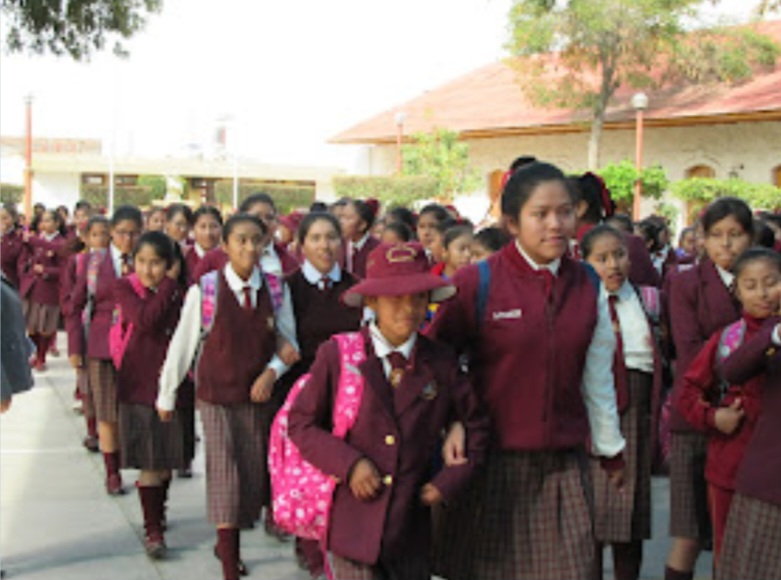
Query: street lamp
639, 104
28, 157
399, 118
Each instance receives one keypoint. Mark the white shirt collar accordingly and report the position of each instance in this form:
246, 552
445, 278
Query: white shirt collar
50, 237
116, 255
727, 277
552, 266
237, 284
360, 243
199, 251
383, 348
625, 292
314, 276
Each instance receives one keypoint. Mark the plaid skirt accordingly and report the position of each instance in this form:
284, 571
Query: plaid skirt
625, 515
146, 442
689, 516
82, 384
102, 383
528, 516
752, 541
401, 569
40, 318
236, 443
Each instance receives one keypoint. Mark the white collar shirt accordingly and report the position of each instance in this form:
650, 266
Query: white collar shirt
382, 348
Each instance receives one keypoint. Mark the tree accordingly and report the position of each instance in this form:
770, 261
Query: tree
74, 27
441, 156
576, 54
621, 177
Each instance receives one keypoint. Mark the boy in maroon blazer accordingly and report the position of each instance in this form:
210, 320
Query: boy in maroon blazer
379, 524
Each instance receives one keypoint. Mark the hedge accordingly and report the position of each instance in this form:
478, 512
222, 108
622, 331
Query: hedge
286, 197
97, 195
391, 191
703, 190
11, 194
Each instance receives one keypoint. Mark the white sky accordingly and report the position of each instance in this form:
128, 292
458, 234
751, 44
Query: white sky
293, 73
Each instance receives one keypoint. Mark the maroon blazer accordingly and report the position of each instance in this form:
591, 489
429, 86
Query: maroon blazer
700, 304
12, 253
43, 288
759, 475
359, 258
399, 431
217, 258
154, 320
102, 312
641, 268
192, 259
527, 355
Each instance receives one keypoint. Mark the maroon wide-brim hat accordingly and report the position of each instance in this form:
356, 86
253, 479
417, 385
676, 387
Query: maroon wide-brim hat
397, 270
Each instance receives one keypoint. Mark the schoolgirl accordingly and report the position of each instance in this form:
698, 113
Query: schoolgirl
155, 220
728, 413
379, 523
396, 233
457, 251
540, 348
488, 241
429, 219
207, 232
96, 236
178, 223
12, 248
701, 302
622, 517
39, 284
687, 246
315, 290
752, 539
357, 220
235, 372
149, 301
92, 315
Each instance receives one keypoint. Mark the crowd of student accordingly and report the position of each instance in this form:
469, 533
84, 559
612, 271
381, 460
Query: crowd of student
435, 398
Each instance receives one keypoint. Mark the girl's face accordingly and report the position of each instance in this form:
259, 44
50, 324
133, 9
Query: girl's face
80, 219
177, 228
353, 227
243, 247
124, 234
156, 221
759, 288
545, 223
98, 236
689, 243
207, 232
150, 267
459, 252
321, 246
725, 241
479, 252
6, 221
268, 215
610, 260
427, 229
47, 225
390, 237
437, 246
399, 316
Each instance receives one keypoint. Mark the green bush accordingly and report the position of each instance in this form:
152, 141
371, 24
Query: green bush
392, 191
97, 195
11, 194
703, 190
620, 179
286, 197
156, 183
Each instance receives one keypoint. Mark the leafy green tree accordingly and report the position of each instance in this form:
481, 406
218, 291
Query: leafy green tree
576, 54
441, 156
621, 177
74, 27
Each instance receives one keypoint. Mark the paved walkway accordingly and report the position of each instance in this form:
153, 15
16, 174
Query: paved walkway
57, 523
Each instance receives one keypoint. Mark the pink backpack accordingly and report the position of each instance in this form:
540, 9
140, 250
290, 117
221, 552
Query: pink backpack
301, 493
120, 332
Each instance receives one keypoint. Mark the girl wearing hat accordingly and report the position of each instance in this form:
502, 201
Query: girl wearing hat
379, 523
540, 355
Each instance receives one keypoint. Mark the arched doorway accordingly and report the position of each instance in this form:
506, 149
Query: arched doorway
777, 176
495, 179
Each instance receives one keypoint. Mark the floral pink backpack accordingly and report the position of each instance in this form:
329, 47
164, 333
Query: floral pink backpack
121, 330
301, 493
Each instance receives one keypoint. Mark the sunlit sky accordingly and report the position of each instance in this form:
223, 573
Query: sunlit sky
291, 74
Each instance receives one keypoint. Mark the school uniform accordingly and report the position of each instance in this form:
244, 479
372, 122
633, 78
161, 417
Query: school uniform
398, 429
274, 259
40, 291
240, 345
192, 258
544, 333
355, 254
12, 252
752, 540
146, 442
700, 304
664, 260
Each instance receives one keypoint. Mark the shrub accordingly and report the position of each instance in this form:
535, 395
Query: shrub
11, 194
703, 190
287, 197
620, 179
137, 195
392, 191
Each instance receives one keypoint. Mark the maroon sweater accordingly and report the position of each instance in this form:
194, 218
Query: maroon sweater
154, 320
528, 354
11, 255
759, 476
237, 349
43, 288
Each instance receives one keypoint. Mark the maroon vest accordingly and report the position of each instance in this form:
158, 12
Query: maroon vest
238, 348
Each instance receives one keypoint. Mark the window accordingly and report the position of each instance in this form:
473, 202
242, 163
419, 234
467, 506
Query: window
700, 171
93, 179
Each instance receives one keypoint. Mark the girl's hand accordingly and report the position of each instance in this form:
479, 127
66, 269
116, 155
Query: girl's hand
453, 448
616, 477
430, 495
365, 482
263, 386
287, 352
38, 269
165, 416
174, 270
727, 419
76, 361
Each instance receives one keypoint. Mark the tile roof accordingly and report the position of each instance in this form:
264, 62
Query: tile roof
488, 102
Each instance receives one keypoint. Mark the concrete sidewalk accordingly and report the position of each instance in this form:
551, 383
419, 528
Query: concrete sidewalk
57, 523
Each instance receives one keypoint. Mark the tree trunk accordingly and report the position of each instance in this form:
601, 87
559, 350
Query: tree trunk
594, 141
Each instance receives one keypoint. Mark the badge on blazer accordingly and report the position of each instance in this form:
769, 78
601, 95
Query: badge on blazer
430, 391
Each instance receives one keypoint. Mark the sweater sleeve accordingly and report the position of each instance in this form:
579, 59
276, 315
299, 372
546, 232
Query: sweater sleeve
752, 357
145, 314
697, 381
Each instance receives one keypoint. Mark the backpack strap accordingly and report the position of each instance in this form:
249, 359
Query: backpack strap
483, 285
349, 394
276, 290
209, 283
650, 301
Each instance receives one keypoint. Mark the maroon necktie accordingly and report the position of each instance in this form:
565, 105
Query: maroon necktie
619, 364
125, 265
247, 297
398, 363
548, 278
325, 283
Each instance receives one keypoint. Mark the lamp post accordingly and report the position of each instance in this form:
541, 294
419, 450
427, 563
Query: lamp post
640, 104
28, 157
399, 118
